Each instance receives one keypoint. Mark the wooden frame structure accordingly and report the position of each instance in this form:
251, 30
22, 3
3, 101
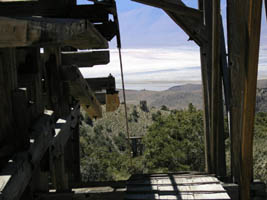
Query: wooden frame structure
42, 89
236, 74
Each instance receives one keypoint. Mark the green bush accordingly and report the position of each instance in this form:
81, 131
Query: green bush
175, 142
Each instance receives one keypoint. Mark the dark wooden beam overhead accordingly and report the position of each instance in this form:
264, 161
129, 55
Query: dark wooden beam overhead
34, 31
94, 13
177, 8
85, 59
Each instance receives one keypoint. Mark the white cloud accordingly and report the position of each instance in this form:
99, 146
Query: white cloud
143, 67
159, 68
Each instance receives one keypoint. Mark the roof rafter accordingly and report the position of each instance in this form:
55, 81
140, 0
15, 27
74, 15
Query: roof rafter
189, 19
178, 7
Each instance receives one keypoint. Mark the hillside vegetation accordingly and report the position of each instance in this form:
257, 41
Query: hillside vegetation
178, 97
172, 139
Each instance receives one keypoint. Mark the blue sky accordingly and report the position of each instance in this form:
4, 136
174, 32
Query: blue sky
156, 53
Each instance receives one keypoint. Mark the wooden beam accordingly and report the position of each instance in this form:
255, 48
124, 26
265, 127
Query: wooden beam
254, 29
206, 66
104, 83
177, 7
193, 26
8, 84
72, 158
94, 13
85, 59
113, 184
18, 172
101, 97
217, 116
80, 89
99, 195
244, 25
33, 31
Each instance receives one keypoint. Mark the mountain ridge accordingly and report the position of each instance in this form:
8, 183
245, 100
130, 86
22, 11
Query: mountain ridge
178, 97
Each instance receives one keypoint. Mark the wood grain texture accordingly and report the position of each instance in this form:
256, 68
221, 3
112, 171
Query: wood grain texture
34, 31
22, 167
8, 84
254, 29
80, 89
85, 59
217, 115
244, 35
94, 13
183, 186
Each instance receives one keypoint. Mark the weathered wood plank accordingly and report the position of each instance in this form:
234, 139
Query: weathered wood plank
183, 186
175, 181
118, 195
80, 89
102, 83
216, 196
85, 59
34, 31
176, 188
22, 167
94, 13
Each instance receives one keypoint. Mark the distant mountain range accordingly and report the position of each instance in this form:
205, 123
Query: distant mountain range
178, 97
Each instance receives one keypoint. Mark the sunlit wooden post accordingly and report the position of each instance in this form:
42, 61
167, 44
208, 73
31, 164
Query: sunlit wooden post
244, 20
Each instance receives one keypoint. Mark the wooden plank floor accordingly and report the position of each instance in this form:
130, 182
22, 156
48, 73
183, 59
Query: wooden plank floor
175, 187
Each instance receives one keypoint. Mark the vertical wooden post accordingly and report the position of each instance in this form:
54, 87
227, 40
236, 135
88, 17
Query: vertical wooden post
58, 171
40, 179
205, 52
72, 158
8, 84
236, 51
254, 29
217, 119
76, 154
244, 21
